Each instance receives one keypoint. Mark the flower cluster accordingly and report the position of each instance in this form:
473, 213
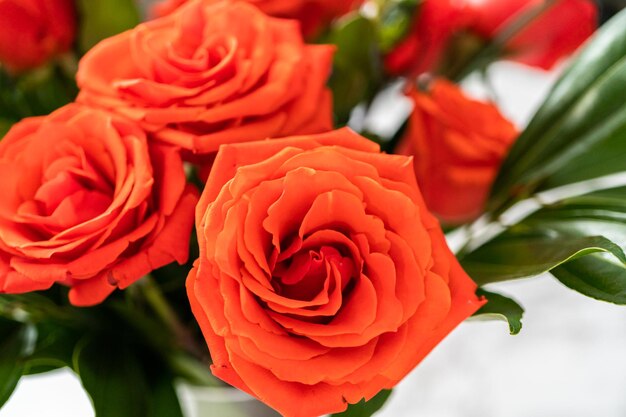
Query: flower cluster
106, 199
534, 32
323, 275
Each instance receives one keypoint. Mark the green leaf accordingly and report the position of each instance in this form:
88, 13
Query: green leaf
102, 19
34, 93
123, 377
112, 376
16, 340
579, 132
595, 277
53, 350
564, 245
5, 125
163, 400
602, 213
357, 73
366, 408
499, 307
396, 19
519, 255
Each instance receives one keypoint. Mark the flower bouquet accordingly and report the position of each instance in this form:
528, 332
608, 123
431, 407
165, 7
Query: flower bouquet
198, 192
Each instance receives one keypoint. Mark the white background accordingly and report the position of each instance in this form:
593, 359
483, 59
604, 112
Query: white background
569, 360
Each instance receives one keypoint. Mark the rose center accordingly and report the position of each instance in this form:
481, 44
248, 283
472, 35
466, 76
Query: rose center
72, 192
308, 272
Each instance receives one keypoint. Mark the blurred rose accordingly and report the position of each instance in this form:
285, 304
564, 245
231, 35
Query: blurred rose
87, 204
312, 14
322, 278
212, 73
33, 31
435, 23
554, 34
458, 145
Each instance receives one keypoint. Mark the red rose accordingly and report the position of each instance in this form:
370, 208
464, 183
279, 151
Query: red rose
33, 31
554, 34
434, 24
86, 203
458, 145
312, 14
212, 73
322, 278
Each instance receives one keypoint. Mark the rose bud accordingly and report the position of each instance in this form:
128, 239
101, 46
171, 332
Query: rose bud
322, 277
555, 33
87, 204
34, 31
435, 22
212, 73
458, 145
313, 15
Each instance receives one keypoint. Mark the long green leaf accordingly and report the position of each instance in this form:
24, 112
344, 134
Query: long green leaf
602, 213
125, 379
163, 401
595, 277
580, 131
564, 245
54, 348
519, 255
15, 343
112, 376
502, 308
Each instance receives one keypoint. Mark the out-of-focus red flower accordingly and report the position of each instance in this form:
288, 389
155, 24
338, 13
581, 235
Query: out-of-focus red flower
458, 145
312, 14
554, 34
435, 22
33, 31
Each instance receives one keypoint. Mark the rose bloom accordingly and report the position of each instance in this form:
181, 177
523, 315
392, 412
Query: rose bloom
322, 278
212, 73
34, 31
86, 203
422, 49
554, 34
458, 145
313, 15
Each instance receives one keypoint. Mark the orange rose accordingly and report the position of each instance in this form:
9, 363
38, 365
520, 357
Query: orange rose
312, 14
212, 73
322, 278
86, 203
555, 34
33, 31
458, 144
